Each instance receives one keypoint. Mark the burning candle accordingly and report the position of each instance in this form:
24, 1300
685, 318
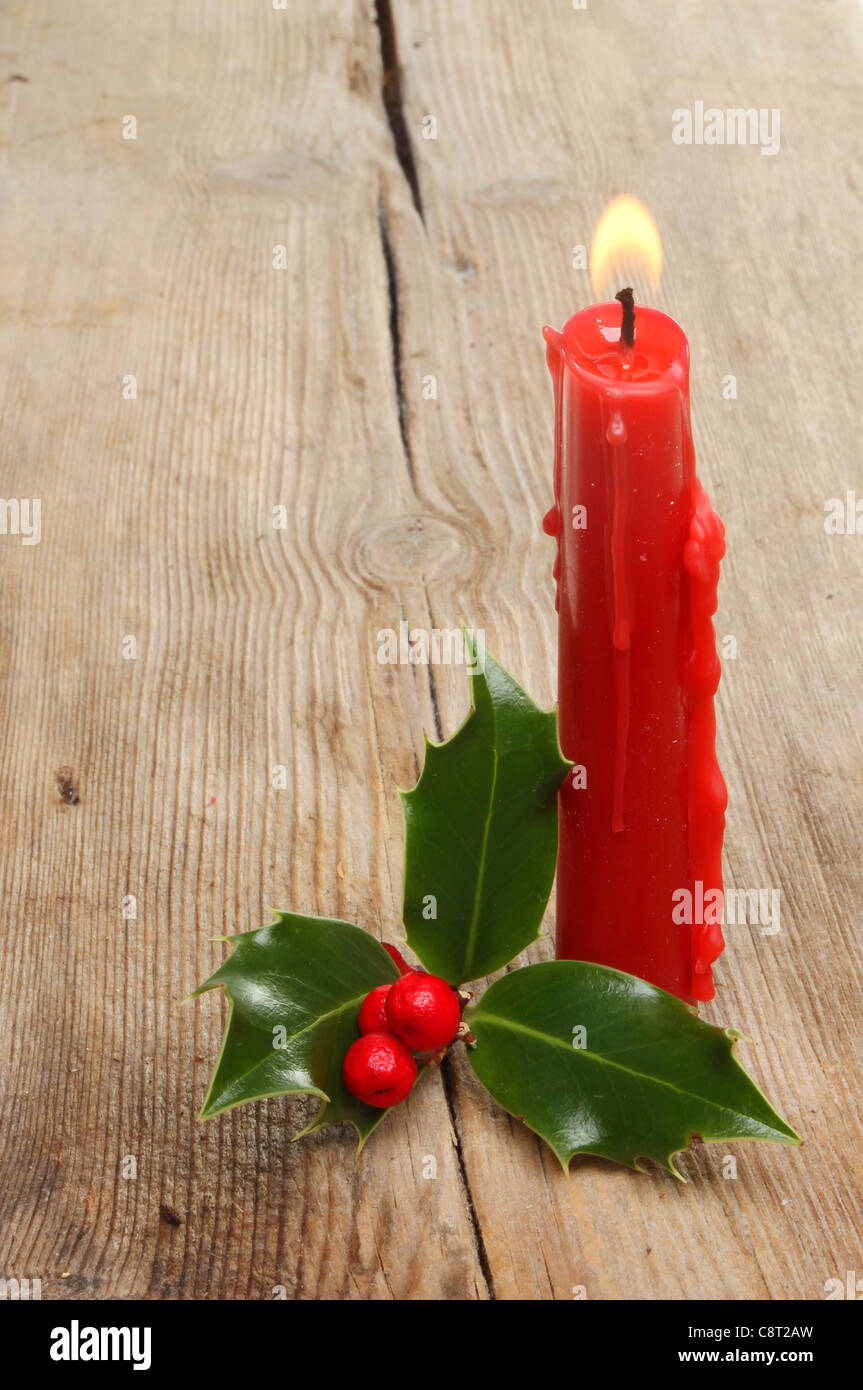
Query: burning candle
639, 877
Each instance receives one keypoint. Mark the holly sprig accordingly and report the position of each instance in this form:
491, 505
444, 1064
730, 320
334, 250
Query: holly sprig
593, 1060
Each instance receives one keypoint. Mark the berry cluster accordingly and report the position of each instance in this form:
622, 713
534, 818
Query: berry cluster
419, 1013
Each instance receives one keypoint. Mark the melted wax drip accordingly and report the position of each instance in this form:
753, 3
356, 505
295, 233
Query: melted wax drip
708, 798
551, 523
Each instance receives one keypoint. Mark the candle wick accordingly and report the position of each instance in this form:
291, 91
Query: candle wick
627, 325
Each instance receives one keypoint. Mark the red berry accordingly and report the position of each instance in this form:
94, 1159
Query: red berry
379, 1070
372, 1017
423, 1011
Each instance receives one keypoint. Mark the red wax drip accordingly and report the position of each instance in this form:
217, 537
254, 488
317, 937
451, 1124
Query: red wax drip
551, 521
708, 797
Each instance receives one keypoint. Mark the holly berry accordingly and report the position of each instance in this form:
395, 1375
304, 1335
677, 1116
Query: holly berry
424, 1011
372, 1017
379, 1070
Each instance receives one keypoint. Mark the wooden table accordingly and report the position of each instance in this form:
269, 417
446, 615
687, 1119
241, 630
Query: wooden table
142, 769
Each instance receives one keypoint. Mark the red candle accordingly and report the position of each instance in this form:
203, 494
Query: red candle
639, 878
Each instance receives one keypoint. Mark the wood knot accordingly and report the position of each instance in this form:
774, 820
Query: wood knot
393, 551
67, 785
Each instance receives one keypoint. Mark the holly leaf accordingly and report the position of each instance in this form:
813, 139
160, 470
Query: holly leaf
295, 988
599, 1062
481, 830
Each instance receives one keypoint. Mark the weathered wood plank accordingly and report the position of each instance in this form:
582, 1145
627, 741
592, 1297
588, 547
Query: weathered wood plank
256, 387
543, 113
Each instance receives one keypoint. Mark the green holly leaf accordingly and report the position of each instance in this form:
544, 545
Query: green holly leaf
643, 1077
295, 988
481, 831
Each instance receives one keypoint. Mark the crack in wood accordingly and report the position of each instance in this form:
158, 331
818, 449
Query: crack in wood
432, 682
473, 1214
393, 100
395, 334
446, 1065
435, 705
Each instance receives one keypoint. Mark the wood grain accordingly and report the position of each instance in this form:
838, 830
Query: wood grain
405, 258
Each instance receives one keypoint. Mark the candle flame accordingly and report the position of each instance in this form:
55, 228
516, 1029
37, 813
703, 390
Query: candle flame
626, 250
